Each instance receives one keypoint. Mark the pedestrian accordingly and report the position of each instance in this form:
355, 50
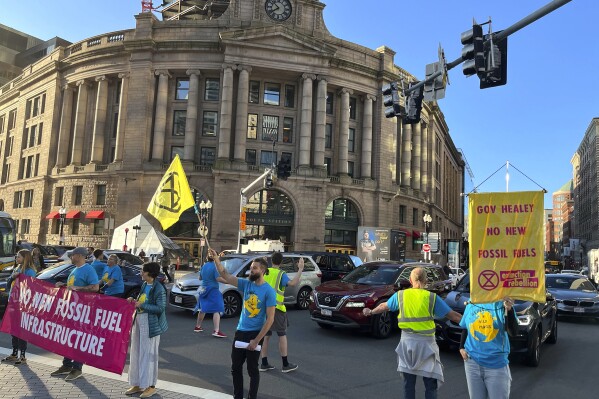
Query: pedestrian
113, 277
210, 299
90, 253
98, 263
150, 324
82, 278
278, 280
485, 347
26, 266
38, 259
165, 262
257, 315
142, 255
417, 352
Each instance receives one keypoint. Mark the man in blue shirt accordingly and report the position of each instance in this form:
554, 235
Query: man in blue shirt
113, 277
82, 278
257, 315
98, 263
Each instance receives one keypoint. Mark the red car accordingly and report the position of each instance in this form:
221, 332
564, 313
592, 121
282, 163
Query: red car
339, 303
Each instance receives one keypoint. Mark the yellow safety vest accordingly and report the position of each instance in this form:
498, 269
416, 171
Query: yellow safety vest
273, 278
416, 310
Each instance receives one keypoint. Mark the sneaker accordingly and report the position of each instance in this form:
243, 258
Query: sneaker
198, 329
218, 334
73, 375
62, 370
266, 367
289, 367
149, 391
10, 358
21, 360
133, 390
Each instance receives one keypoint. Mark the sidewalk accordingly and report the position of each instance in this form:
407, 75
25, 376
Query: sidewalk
33, 380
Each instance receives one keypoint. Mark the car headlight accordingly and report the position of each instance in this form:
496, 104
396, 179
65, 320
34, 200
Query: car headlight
2, 289
355, 305
524, 320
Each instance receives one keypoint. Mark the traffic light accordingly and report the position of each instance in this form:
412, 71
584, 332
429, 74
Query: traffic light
495, 62
284, 168
268, 183
391, 100
435, 89
473, 51
414, 104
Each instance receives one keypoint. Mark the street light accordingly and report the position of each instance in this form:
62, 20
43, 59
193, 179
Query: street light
63, 215
427, 224
126, 232
205, 207
136, 228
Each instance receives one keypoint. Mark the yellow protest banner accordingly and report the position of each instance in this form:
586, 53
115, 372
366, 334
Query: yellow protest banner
506, 246
172, 197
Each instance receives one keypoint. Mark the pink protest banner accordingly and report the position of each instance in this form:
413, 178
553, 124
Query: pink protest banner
83, 326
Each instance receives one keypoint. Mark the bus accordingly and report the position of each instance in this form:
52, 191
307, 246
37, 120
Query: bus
7, 241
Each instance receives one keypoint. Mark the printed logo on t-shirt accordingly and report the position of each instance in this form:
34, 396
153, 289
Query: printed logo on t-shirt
482, 328
71, 281
251, 305
105, 277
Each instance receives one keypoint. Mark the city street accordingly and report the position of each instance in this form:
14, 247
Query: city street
346, 364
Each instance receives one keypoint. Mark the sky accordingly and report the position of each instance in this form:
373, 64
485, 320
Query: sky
535, 122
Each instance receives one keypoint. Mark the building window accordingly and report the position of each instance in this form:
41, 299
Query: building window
25, 225
351, 143
32, 132
77, 195
17, 224
350, 169
254, 97
402, 214
28, 200
328, 163
415, 216
56, 226
39, 133
179, 119
268, 158
29, 167
177, 150
115, 124
182, 89
329, 103
74, 227
250, 157
353, 104
289, 96
272, 93
252, 126
18, 198
2, 120
212, 89
209, 124
12, 119
328, 136
100, 194
6, 173
270, 128
58, 196
207, 155
287, 130
117, 92
8, 149
98, 227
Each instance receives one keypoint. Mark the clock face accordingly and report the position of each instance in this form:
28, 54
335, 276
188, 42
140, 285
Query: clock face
279, 10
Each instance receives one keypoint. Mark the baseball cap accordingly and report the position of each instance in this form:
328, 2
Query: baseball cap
79, 251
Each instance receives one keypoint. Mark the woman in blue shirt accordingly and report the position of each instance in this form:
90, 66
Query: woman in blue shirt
485, 347
24, 265
113, 278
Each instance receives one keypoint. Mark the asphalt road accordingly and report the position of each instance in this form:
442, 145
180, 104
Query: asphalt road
346, 364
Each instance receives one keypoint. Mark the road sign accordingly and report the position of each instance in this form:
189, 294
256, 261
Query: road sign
418, 241
426, 247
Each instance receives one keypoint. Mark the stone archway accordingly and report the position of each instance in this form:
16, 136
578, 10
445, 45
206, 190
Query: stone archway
270, 215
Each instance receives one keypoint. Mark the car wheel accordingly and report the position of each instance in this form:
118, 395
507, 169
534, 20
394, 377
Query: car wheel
382, 325
232, 304
552, 338
303, 298
534, 351
325, 326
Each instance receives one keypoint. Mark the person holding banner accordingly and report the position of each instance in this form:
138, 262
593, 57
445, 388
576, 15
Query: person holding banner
150, 323
210, 299
113, 277
485, 347
26, 266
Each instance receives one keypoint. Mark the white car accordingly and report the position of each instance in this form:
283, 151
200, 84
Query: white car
456, 275
570, 271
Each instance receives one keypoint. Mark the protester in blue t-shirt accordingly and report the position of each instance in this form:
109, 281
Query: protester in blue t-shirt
210, 299
98, 263
257, 315
113, 278
485, 347
24, 265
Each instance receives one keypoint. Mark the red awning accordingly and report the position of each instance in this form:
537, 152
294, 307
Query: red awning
416, 234
53, 215
408, 232
95, 215
73, 215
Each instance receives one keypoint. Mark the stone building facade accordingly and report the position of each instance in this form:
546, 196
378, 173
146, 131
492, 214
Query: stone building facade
93, 126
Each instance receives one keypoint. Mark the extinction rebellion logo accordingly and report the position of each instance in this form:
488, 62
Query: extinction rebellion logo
489, 280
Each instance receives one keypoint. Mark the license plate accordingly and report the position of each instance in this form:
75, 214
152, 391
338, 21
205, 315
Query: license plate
326, 312
178, 299
578, 310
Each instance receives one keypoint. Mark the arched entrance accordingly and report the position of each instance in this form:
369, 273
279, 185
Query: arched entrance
270, 215
341, 221
185, 231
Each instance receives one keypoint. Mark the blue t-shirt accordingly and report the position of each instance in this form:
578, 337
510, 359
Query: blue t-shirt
143, 296
256, 298
440, 310
209, 274
99, 267
118, 285
488, 343
82, 276
29, 272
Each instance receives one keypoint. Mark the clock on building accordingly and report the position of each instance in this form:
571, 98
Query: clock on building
279, 10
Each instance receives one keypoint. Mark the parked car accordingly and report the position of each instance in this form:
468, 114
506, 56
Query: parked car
575, 295
456, 275
59, 250
333, 266
50, 256
537, 323
339, 303
123, 255
184, 293
570, 271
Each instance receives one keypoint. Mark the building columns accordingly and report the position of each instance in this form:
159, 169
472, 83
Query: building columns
62, 152
366, 168
306, 120
416, 148
226, 111
320, 122
424, 177
80, 119
97, 155
241, 117
160, 116
120, 135
343, 144
406, 154
191, 121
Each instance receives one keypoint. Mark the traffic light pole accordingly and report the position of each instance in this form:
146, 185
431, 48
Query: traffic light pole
241, 195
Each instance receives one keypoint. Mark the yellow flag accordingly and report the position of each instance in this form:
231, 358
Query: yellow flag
172, 197
506, 246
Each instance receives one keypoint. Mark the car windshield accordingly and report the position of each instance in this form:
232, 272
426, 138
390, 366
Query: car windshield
570, 283
53, 269
373, 275
51, 250
357, 261
464, 284
232, 264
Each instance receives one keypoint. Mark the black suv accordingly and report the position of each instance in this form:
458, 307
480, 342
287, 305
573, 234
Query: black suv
334, 266
537, 323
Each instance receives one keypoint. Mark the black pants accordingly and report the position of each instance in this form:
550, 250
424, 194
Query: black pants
168, 276
19, 344
238, 357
